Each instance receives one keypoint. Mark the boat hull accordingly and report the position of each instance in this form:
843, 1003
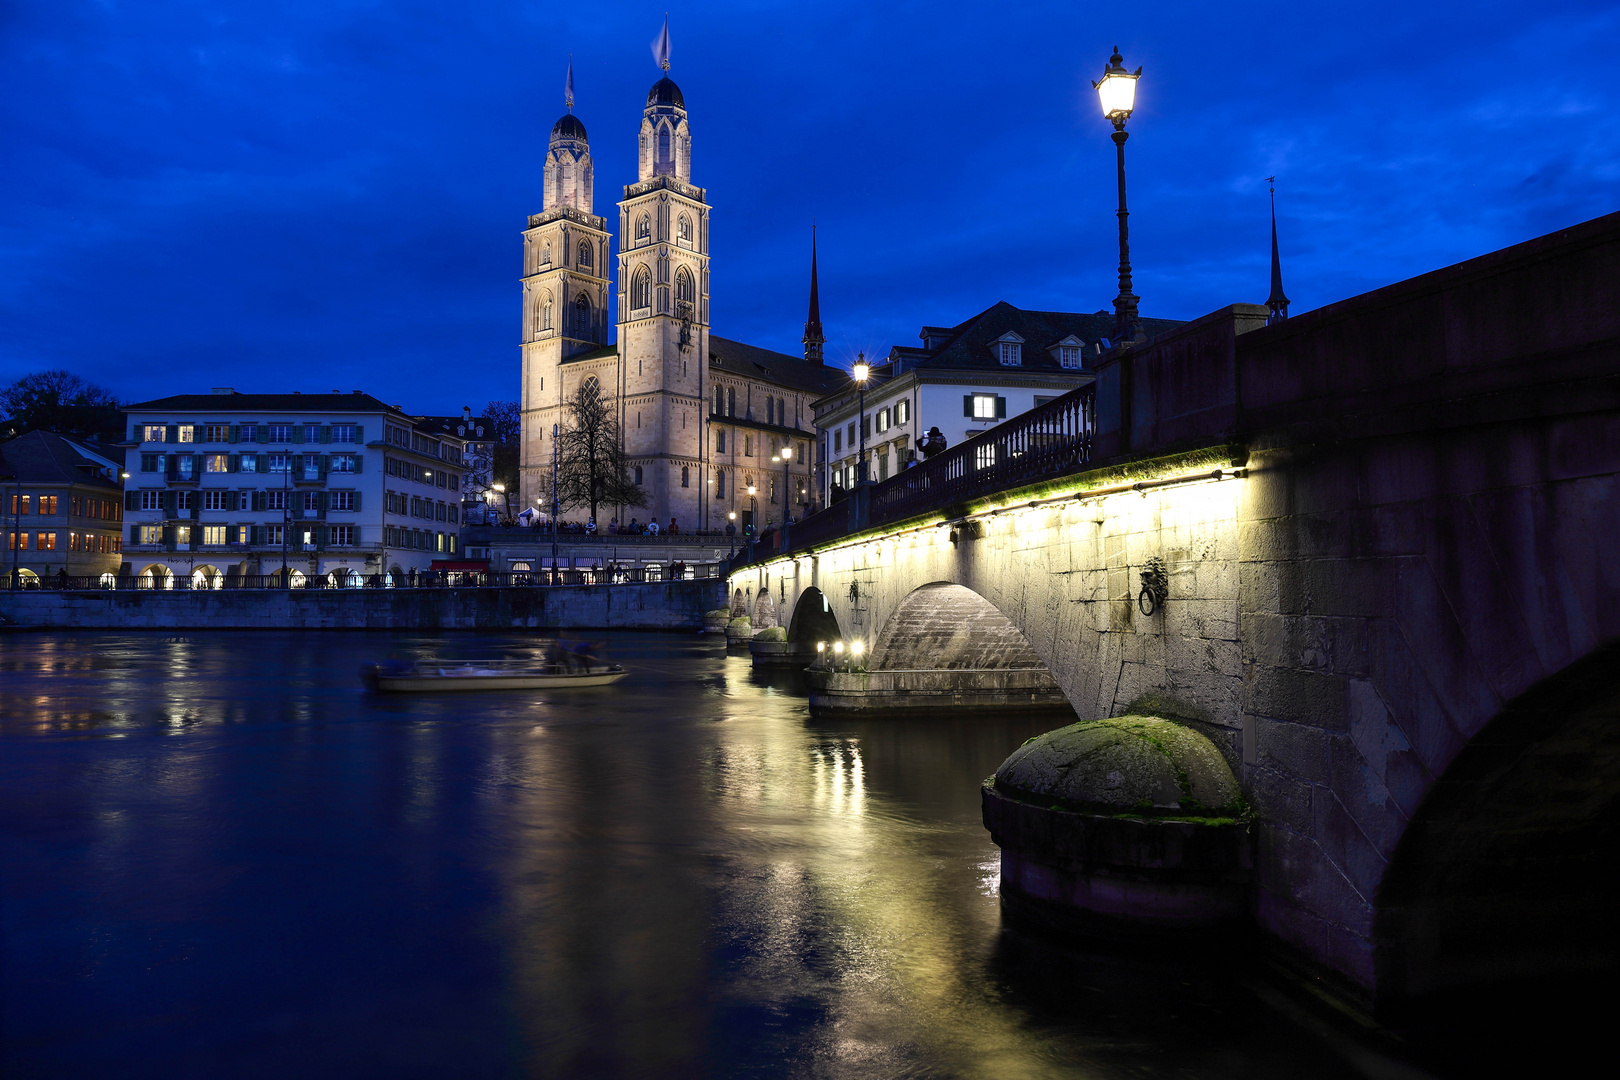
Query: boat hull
436, 684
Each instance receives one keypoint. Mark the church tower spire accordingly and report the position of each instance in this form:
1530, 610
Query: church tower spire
1277, 303
814, 339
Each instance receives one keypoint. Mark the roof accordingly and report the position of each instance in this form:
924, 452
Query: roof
752, 362
967, 346
476, 428
265, 403
665, 92
43, 457
601, 352
569, 127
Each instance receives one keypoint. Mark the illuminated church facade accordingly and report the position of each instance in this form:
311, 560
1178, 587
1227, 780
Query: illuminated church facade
701, 416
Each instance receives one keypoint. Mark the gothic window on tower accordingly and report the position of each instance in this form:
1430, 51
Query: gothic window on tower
719, 401
665, 164
542, 315
584, 254
683, 294
582, 327
683, 231
770, 410
731, 402
643, 228
545, 256
686, 476
641, 293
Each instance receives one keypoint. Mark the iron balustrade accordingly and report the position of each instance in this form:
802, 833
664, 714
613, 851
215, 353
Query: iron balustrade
424, 579
1048, 441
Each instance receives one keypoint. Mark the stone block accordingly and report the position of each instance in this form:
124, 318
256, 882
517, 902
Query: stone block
1342, 840
1303, 697
1346, 586
1258, 588
1360, 789
1294, 749
1279, 798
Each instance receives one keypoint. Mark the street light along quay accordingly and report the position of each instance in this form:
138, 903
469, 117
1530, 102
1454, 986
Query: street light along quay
861, 371
1117, 91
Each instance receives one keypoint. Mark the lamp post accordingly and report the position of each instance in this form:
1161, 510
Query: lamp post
786, 458
861, 371
731, 530
1117, 92
753, 520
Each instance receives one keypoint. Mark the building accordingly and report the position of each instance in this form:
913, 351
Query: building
226, 487
699, 415
964, 379
64, 508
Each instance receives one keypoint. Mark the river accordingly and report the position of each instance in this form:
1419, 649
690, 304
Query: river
223, 857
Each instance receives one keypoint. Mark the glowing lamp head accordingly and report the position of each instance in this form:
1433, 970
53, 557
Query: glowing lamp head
1117, 89
500, 487
732, 515
838, 647
856, 647
787, 453
861, 369
821, 646
752, 489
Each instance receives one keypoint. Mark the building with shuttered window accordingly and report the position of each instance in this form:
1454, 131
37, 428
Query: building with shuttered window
63, 509
227, 487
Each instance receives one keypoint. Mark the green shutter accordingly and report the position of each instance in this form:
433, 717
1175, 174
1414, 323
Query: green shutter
132, 500
235, 434
264, 463
1001, 407
259, 500
967, 404
298, 433
326, 433
325, 461
359, 435
171, 433
257, 533
235, 462
355, 503
359, 459
263, 433
196, 506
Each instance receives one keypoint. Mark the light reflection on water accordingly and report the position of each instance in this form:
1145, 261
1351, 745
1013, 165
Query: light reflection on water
231, 857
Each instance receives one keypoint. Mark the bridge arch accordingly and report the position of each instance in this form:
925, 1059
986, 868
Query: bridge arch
945, 626
812, 619
1490, 900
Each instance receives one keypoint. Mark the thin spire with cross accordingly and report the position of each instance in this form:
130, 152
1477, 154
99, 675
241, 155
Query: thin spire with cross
568, 87
1277, 302
814, 339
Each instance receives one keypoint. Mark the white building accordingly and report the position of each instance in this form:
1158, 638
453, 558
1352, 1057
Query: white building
340, 487
964, 380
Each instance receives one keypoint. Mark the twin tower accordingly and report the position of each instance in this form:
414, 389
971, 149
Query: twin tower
654, 373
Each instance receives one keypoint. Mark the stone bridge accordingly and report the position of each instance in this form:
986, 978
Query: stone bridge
1389, 531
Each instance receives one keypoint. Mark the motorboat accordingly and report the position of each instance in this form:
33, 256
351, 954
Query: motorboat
436, 677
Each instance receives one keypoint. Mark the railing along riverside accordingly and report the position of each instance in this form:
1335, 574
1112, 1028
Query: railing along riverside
1047, 441
478, 535
430, 579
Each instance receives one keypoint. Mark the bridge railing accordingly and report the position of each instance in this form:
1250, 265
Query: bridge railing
1047, 441
427, 579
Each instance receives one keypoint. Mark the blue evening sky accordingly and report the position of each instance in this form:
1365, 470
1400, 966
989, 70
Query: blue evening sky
328, 194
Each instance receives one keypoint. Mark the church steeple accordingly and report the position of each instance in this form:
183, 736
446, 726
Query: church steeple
1277, 302
569, 180
814, 339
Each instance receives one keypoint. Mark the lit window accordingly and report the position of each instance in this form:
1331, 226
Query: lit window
902, 411
152, 433
151, 534
216, 433
984, 407
883, 420
182, 534
217, 462
213, 535
188, 433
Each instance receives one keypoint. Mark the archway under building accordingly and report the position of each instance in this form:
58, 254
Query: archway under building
207, 577
155, 576
1496, 912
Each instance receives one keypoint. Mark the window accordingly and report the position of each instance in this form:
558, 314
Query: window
849, 434
216, 500
731, 401
883, 420
275, 500
342, 535
542, 314
27, 501
19, 541
185, 466
638, 474
683, 231
281, 433
275, 534
1039, 400
343, 463
686, 476
151, 500
248, 433
216, 462
249, 463
582, 317
45, 541
1069, 356
343, 433
684, 293
151, 463
182, 534
641, 291
719, 484
280, 462
311, 466
644, 227
584, 255
719, 401
985, 406
773, 490
311, 501
47, 504
185, 500
770, 410
152, 433
342, 500
213, 535
902, 412
720, 441
312, 433
188, 433
545, 256
216, 433
73, 542
748, 446
151, 534
838, 441
1009, 349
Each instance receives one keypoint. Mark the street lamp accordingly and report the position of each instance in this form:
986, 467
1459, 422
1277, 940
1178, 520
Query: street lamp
1117, 92
753, 520
861, 371
731, 530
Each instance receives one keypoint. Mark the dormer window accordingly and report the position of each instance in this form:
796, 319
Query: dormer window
1009, 349
1069, 353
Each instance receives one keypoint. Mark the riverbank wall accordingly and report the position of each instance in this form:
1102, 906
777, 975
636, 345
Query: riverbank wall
672, 605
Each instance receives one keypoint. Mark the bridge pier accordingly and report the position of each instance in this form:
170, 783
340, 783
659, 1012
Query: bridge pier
936, 690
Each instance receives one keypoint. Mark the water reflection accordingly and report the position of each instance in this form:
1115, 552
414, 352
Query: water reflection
233, 854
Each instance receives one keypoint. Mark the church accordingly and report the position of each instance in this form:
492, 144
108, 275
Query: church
705, 421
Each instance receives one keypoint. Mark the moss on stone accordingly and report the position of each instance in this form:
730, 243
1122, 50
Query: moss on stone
772, 633
1133, 765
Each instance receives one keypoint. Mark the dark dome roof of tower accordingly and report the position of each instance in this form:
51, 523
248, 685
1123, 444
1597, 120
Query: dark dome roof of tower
569, 127
665, 92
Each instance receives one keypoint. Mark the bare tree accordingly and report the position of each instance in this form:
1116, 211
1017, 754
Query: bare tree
61, 401
590, 458
506, 424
